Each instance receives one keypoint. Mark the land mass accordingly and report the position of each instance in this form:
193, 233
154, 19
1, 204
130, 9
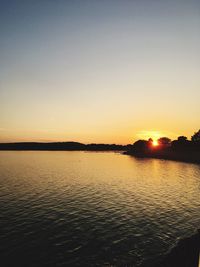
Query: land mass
62, 146
192, 157
178, 150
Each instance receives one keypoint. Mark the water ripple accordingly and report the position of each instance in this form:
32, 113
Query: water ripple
93, 209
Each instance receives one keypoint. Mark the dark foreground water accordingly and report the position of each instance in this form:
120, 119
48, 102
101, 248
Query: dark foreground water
93, 209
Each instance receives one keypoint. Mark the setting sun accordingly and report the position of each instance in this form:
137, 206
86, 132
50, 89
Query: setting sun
155, 143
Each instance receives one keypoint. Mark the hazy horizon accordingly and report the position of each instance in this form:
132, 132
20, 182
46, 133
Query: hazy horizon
99, 71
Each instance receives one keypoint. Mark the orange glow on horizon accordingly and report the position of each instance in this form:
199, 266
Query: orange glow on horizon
155, 143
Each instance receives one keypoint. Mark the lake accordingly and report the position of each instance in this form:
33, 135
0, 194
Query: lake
93, 208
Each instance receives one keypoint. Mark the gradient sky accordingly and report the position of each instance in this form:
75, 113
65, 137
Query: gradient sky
99, 71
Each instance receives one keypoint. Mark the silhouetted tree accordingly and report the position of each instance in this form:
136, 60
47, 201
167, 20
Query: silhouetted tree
180, 149
196, 137
164, 141
140, 146
182, 138
181, 144
150, 142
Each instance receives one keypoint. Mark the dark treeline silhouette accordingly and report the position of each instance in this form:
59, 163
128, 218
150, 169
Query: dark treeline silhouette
181, 149
71, 146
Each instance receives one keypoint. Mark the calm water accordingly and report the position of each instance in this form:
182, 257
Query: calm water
93, 209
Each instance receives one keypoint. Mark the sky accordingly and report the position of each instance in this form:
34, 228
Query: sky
99, 71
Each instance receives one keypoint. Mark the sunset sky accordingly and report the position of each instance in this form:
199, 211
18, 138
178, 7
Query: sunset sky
99, 71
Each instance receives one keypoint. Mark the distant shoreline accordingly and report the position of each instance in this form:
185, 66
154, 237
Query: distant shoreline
182, 150
191, 158
166, 154
60, 146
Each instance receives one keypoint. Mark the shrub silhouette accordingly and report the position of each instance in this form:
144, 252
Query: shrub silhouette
140, 146
164, 141
182, 139
196, 137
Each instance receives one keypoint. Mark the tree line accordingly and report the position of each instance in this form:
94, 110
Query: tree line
166, 144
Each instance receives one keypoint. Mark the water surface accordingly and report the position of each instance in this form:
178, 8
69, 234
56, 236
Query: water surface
93, 209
